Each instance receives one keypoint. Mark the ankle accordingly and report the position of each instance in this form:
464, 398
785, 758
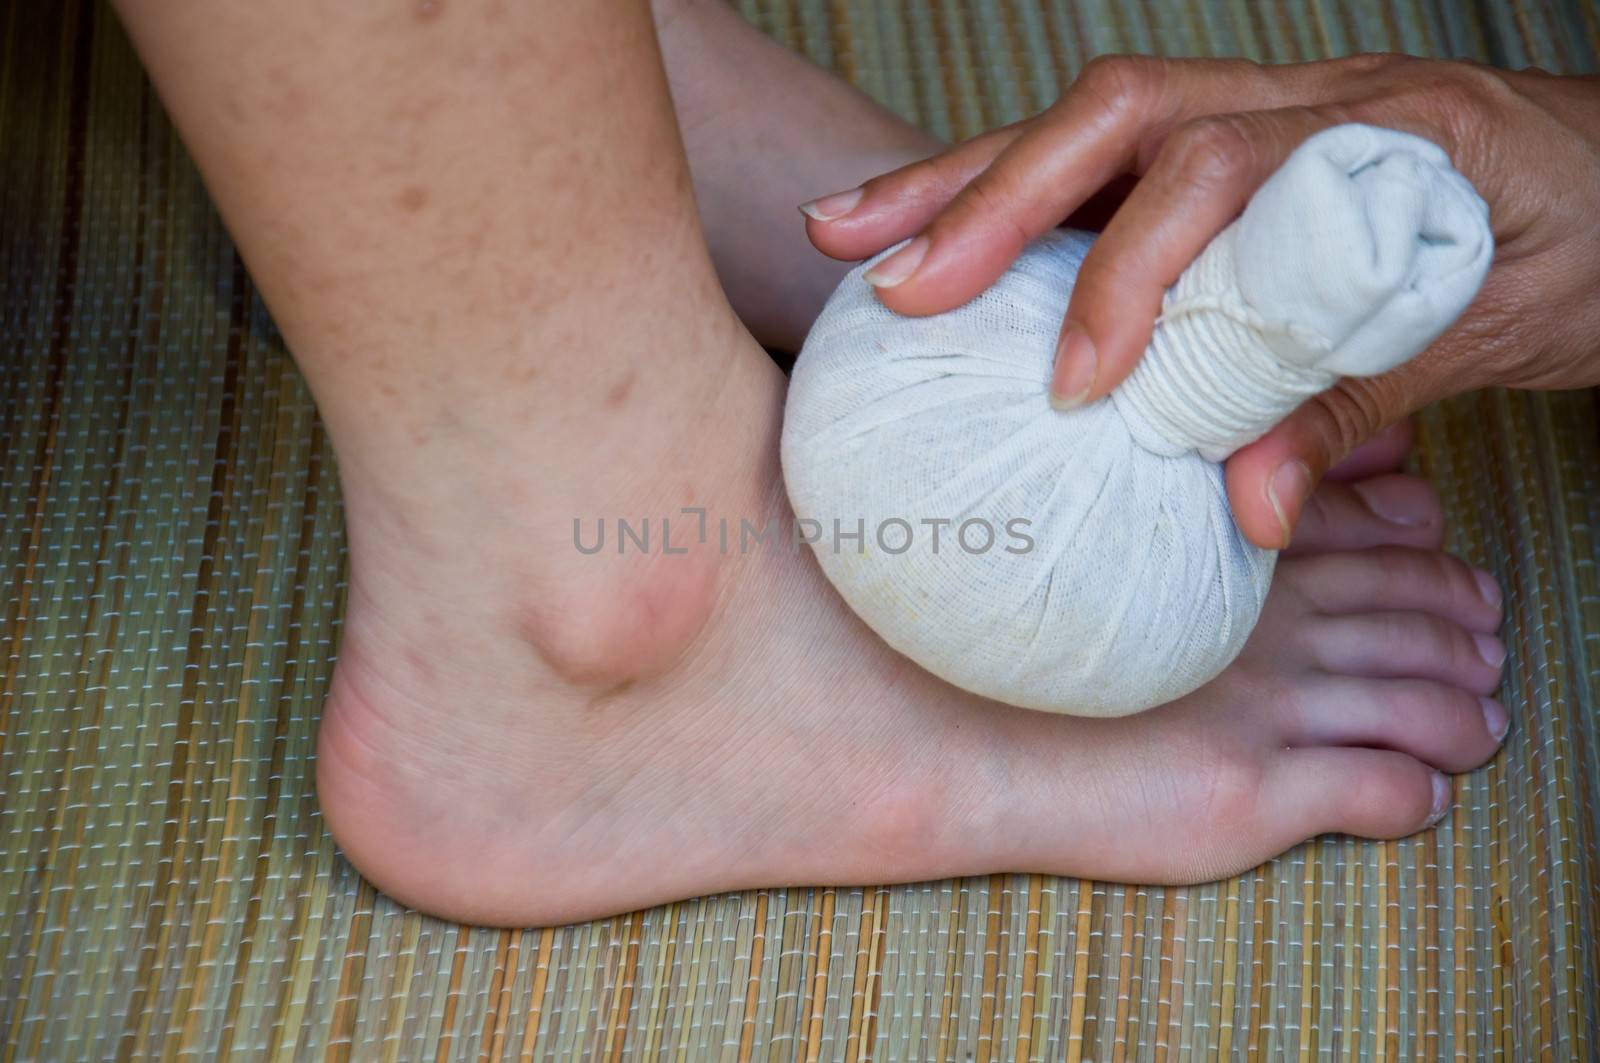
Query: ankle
618, 620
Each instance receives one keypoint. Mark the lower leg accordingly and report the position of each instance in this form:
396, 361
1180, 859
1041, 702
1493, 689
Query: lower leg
439, 226
765, 131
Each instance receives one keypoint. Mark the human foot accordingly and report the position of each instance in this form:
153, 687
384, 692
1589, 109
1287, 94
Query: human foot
492, 772
518, 732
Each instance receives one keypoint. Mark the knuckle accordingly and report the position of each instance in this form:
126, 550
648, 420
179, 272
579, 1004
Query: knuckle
1211, 151
1463, 104
923, 178
1366, 64
1119, 82
1477, 87
1370, 62
988, 203
1350, 414
1453, 100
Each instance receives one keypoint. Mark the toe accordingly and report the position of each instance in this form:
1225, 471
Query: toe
1397, 578
1396, 509
1406, 645
1384, 452
1436, 723
1371, 793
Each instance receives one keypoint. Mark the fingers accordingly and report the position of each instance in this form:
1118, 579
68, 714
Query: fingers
1270, 480
1391, 510
1205, 173
1439, 724
1003, 190
1399, 645
860, 222
1089, 137
1395, 578
1370, 793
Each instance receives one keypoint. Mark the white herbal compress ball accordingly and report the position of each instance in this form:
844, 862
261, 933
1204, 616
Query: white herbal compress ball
1087, 561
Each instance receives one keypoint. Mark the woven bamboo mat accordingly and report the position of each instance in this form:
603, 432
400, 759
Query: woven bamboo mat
173, 572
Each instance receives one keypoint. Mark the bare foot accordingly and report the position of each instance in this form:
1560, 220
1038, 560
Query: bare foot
492, 273
661, 738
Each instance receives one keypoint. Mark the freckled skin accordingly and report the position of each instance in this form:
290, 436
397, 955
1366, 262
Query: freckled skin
412, 198
618, 392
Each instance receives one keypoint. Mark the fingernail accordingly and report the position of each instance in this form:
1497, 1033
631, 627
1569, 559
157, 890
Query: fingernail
1074, 370
830, 207
1441, 798
1488, 589
1495, 718
1286, 492
898, 266
1391, 510
1490, 649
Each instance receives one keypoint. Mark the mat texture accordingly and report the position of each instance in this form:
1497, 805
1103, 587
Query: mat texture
173, 568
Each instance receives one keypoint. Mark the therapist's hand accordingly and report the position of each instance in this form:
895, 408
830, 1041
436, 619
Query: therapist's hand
1198, 137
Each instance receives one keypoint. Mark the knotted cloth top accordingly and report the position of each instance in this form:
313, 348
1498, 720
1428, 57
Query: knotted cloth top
1354, 256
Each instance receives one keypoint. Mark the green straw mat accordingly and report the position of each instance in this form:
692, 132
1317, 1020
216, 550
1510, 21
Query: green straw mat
174, 567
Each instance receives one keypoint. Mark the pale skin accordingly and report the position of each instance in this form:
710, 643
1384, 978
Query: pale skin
481, 254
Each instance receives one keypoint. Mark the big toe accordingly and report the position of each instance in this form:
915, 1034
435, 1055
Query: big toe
1370, 793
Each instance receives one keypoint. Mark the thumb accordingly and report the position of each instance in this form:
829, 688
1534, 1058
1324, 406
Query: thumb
1270, 480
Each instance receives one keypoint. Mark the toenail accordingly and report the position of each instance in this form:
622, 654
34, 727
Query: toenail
830, 207
1441, 798
1495, 718
1386, 509
1491, 649
1488, 589
898, 267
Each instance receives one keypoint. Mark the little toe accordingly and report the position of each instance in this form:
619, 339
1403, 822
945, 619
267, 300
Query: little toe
1394, 509
1395, 645
1438, 724
1370, 793
1397, 578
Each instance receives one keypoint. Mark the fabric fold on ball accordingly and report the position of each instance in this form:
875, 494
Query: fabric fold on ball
1087, 561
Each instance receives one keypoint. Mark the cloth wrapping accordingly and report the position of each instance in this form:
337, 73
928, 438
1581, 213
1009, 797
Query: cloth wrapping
1087, 561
